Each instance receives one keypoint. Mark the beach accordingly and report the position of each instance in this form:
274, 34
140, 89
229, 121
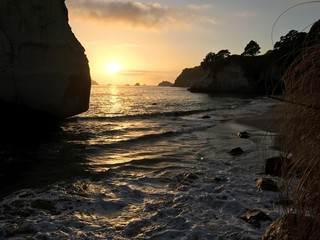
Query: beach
270, 121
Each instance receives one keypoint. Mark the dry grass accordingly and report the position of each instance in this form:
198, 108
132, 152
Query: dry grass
301, 139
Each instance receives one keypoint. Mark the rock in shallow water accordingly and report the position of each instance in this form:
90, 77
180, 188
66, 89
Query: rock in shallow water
236, 151
277, 166
254, 217
243, 134
267, 184
42, 65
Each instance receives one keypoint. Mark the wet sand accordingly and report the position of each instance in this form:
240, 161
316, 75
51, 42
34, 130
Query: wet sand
262, 128
269, 121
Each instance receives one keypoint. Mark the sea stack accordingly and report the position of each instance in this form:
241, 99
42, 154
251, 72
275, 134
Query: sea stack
43, 67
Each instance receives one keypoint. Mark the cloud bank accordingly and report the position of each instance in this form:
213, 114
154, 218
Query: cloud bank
137, 14
151, 15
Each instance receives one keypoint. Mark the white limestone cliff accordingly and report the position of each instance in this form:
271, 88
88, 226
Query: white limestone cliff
42, 64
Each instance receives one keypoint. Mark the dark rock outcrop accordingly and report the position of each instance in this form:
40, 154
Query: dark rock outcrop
189, 76
277, 166
267, 184
243, 134
254, 217
241, 75
165, 84
236, 151
93, 82
43, 67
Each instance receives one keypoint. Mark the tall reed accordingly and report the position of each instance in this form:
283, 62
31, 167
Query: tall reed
300, 138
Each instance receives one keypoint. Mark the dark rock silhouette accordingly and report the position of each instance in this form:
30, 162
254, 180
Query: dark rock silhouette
243, 134
254, 217
189, 76
93, 82
43, 67
236, 151
277, 166
267, 184
165, 84
241, 74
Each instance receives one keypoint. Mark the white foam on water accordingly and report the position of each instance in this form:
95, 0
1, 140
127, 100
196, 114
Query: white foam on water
194, 199
188, 192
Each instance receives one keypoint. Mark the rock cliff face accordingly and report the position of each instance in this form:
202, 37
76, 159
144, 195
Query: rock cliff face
231, 78
243, 75
42, 64
189, 76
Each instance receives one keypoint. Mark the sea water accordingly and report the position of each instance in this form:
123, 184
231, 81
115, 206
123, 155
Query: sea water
143, 163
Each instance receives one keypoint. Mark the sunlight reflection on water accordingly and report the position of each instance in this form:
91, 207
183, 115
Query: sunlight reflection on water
142, 163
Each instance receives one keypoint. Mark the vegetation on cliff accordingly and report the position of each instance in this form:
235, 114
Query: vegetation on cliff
249, 72
241, 74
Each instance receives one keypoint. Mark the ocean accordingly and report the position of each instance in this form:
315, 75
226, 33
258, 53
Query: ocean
142, 163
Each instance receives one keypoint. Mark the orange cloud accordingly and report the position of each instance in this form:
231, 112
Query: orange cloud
141, 15
151, 15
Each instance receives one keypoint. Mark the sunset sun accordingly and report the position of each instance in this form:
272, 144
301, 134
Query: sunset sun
113, 67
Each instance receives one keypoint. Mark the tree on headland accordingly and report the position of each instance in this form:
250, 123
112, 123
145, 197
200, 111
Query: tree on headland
289, 47
251, 49
208, 60
212, 58
222, 54
293, 40
313, 36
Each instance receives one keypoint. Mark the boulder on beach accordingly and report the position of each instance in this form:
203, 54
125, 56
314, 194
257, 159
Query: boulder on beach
43, 66
243, 134
236, 151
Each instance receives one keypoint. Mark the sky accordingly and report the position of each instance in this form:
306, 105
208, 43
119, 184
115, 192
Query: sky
146, 41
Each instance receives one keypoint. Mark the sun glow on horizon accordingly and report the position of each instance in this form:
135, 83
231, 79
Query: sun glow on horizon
113, 67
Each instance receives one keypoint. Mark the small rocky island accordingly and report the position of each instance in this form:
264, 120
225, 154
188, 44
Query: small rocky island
93, 82
165, 84
43, 68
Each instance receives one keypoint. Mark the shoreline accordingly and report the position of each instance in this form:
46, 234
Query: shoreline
263, 129
270, 121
